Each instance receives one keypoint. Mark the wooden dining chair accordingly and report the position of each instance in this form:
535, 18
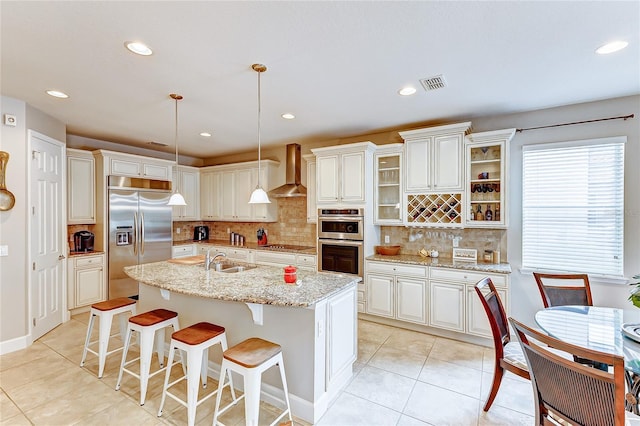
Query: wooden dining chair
508, 354
564, 289
568, 390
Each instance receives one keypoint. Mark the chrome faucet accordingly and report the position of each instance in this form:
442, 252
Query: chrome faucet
209, 260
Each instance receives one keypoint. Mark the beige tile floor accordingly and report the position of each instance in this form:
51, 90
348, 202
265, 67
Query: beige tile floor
400, 378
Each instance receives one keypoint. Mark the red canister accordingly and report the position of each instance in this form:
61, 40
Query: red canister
290, 276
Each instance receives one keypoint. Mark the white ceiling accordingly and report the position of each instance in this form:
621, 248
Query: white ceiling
336, 65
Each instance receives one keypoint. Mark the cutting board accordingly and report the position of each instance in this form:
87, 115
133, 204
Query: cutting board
189, 260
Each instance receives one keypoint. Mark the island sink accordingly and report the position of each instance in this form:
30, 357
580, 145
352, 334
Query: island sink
230, 268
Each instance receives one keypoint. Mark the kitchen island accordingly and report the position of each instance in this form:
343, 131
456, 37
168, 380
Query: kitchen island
314, 321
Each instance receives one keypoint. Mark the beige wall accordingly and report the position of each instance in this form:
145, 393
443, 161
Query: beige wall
14, 303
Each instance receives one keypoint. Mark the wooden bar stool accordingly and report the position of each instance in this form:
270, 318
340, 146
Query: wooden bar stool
147, 325
106, 311
195, 341
251, 358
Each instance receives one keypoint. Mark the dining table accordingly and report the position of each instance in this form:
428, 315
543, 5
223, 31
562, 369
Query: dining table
600, 329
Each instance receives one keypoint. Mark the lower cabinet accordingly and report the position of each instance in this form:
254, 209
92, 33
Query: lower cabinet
455, 304
396, 291
86, 280
443, 298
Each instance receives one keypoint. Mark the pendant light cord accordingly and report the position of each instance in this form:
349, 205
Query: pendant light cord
175, 138
259, 116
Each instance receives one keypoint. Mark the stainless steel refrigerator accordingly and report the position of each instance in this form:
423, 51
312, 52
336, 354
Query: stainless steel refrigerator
139, 228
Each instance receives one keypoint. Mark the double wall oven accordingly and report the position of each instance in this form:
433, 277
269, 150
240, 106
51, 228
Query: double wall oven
340, 240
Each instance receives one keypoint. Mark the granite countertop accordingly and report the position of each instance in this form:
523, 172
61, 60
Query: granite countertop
444, 262
247, 245
262, 284
84, 253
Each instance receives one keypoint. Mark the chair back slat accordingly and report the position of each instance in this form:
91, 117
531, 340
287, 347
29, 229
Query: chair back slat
564, 289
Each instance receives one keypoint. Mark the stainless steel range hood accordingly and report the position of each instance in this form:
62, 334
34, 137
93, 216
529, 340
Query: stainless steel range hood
293, 187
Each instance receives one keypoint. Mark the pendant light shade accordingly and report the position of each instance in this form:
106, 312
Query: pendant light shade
176, 198
259, 196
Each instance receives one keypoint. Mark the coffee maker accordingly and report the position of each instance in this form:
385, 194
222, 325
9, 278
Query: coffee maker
201, 233
83, 241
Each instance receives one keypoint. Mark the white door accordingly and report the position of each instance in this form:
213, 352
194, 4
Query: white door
47, 233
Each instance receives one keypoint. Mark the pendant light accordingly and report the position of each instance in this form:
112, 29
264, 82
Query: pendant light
176, 198
258, 196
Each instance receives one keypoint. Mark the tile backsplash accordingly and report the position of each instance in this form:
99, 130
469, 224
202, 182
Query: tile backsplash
413, 239
291, 227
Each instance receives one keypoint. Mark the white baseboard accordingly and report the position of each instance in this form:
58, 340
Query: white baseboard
16, 344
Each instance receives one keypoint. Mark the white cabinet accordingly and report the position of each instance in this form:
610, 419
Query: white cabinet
236, 191
455, 303
86, 282
186, 180
312, 206
226, 191
344, 173
119, 164
388, 185
183, 251
396, 291
434, 158
210, 190
81, 182
434, 176
307, 262
447, 305
487, 179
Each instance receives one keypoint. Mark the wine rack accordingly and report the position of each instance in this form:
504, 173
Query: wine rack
436, 209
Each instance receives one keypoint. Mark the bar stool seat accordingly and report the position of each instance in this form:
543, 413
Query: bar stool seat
147, 325
195, 340
251, 358
106, 311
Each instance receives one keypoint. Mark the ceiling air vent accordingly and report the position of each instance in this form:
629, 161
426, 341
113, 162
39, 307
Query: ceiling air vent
157, 143
433, 83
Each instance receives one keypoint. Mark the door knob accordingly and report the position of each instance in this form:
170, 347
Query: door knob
61, 257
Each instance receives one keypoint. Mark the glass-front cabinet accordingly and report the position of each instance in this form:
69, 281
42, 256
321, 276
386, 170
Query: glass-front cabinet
486, 158
388, 189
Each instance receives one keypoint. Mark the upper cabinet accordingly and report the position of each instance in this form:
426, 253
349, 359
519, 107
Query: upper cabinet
388, 184
312, 208
186, 180
344, 174
434, 176
487, 175
226, 190
81, 181
136, 166
434, 158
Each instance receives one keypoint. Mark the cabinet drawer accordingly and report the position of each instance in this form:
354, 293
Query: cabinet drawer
182, 251
468, 277
397, 269
306, 260
275, 258
85, 261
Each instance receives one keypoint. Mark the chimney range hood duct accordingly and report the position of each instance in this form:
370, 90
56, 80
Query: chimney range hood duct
293, 187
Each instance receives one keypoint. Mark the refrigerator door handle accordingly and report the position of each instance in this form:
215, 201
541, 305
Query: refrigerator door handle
135, 234
142, 233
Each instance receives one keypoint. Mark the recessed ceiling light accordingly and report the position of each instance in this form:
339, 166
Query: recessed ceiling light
205, 134
288, 116
407, 91
57, 94
614, 46
138, 48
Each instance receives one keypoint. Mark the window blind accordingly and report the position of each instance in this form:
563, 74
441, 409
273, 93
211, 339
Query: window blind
573, 206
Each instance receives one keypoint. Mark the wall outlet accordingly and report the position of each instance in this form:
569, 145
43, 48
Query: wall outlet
386, 239
228, 230
4, 250
178, 230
